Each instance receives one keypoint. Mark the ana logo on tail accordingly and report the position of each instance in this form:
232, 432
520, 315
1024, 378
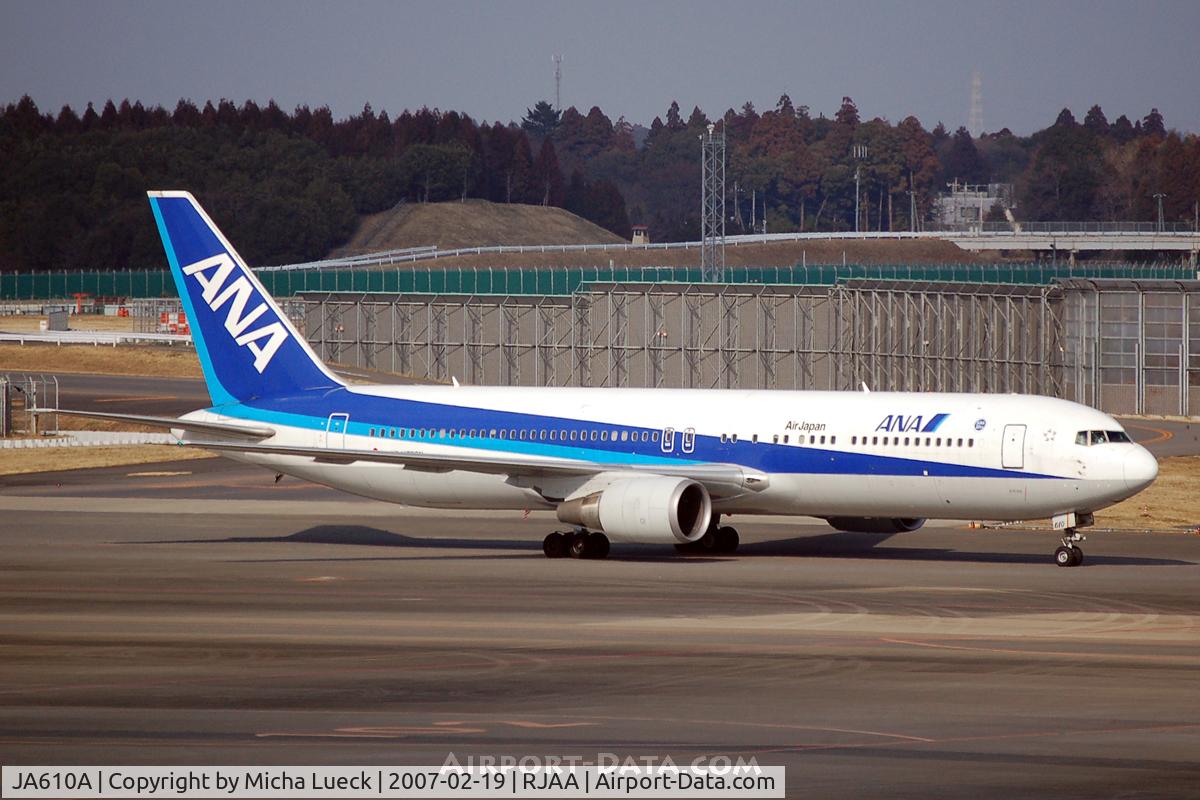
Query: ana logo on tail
212, 274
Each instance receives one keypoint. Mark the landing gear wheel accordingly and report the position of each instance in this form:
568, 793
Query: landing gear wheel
554, 545
1069, 555
708, 542
727, 539
578, 546
598, 545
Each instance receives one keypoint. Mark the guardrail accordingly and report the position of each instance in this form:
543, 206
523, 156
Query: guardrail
414, 254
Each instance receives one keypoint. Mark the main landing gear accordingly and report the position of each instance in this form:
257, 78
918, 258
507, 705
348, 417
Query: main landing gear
576, 544
1069, 554
717, 539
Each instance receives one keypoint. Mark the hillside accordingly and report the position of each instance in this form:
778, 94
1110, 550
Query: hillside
473, 223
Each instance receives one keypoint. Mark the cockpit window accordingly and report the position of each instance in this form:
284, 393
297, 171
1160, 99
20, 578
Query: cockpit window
1089, 438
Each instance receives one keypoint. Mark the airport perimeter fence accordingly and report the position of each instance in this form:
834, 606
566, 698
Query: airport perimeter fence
25, 286
1127, 347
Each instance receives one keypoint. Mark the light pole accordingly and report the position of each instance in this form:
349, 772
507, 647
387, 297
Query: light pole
859, 152
1159, 197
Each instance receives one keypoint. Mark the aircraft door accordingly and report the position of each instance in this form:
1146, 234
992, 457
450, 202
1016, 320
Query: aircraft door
335, 431
689, 440
668, 440
1012, 453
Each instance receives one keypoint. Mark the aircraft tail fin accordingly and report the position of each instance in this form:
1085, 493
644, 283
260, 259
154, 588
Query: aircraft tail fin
247, 345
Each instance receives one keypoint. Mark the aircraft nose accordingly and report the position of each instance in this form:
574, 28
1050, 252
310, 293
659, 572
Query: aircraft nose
1141, 468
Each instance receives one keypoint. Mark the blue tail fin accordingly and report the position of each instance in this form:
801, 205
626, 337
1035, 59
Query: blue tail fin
246, 344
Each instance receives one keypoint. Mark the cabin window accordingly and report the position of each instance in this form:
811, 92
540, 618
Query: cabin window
874, 440
906, 438
785, 438
960, 442
614, 436
522, 434
833, 440
754, 439
853, 440
733, 437
970, 442
542, 435
775, 439
573, 435
822, 440
723, 438
604, 436
624, 436
654, 436
562, 435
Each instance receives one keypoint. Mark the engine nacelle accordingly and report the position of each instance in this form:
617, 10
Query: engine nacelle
651, 510
875, 524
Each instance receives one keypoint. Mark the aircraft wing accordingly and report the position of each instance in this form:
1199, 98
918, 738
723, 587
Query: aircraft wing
719, 479
199, 426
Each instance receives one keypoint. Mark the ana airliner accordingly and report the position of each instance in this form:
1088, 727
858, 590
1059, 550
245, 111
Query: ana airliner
658, 466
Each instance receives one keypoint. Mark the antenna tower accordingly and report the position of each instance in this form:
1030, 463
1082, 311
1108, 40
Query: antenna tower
975, 118
557, 59
712, 207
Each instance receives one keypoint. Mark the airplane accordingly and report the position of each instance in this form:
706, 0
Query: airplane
656, 466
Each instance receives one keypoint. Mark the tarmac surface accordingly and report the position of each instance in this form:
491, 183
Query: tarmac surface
198, 612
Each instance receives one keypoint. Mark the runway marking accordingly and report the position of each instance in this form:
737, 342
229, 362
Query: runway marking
382, 732
1014, 651
988, 737
132, 399
156, 474
1163, 434
518, 723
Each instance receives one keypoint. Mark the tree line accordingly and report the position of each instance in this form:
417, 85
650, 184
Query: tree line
289, 186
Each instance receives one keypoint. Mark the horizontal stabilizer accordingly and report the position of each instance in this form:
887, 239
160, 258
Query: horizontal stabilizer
229, 429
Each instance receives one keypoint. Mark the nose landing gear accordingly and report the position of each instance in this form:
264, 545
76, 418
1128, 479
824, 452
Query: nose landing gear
1069, 554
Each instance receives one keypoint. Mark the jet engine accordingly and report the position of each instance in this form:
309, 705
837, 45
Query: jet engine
651, 510
875, 524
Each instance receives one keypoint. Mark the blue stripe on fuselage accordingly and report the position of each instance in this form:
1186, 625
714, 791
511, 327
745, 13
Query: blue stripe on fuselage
311, 411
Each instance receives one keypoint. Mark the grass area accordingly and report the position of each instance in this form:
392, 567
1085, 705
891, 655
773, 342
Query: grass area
54, 459
166, 362
473, 223
1170, 503
30, 323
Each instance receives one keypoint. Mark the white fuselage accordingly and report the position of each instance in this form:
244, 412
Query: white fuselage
854, 454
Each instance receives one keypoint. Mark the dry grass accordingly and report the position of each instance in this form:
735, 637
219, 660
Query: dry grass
475, 223
30, 323
1170, 503
772, 254
54, 459
153, 360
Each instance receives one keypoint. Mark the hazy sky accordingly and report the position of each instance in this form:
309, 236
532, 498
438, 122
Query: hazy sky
492, 60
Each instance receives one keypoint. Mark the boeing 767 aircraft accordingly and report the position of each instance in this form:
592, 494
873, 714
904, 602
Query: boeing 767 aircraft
658, 466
